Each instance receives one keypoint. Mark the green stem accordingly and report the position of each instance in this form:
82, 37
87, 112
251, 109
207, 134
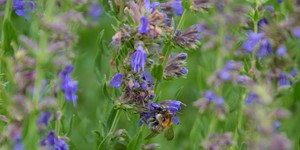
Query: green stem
180, 24
213, 123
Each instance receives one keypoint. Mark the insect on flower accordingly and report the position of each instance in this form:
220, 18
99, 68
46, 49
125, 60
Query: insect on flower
162, 121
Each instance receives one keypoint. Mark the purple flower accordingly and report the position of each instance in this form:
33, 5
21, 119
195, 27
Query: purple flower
184, 71
139, 58
262, 22
225, 75
233, 65
44, 118
144, 85
269, 8
143, 29
281, 51
252, 40
252, 98
210, 95
149, 6
116, 81
277, 125
176, 5
18, 143
136, 85
53, 142
283, 80
147, 77
68, 85
294, 72
220, 101
95, 11
280, 1
264, 49
23, 7
243, 79
296, 32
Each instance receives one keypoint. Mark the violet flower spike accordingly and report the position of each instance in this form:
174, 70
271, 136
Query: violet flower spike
281, 51
139, 58
68, 85
23, 7
176, 5
265, 49
95, 11
252, 41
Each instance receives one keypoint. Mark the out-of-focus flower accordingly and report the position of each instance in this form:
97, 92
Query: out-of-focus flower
53, 142
252, 40
116, 81
294, 72
23, 7
44, 118
269, 8
175, 66
264, 49
144, 25
218, 141
95, 11
150, 146
18, 143
243, 79
190, 37
281, 51
296, 31
276, 125
68, 85
176, 5
284, 80
252, 98
280, 1
262, 22
279, 142
139, 58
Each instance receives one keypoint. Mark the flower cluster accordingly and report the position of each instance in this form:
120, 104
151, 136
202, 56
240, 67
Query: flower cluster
54, 142
68, 85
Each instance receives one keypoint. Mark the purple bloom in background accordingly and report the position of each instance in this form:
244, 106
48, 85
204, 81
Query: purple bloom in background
149, 6
18, 143
269, 8
225, 75
23, 7
281, 51
243, 79
277, 125
53, 142
283, 80
264, 49
220, 101
210, 95
144, 86
252, 98
296, 32
136, 85
294, 72
280, 1
184, 71
252, 40
176, 5
168, 20
68, 85
116, 81
139, 58
143, 29
44, 118
262, 22
147, 76
95, 11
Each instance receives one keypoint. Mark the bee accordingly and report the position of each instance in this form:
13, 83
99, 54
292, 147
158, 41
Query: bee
162, 122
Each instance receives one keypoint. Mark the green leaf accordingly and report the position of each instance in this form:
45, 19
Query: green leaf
297, 91
157, 72
111, 118
9, 37
186, 4
106, 94
136, 142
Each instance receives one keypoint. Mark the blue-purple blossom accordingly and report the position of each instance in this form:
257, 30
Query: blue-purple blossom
280, 1
262, 22
294, 72
243, 79
150, 6
139, 58
176, 5
144, 26
44, 118
225, 75
184, 71
136, 85
264, 49
148, 77
252, 40
210, 95
95, 11
68, 85
116, 81
220, 101
281, 51
252, 98
144, 86
284, 80
23, 7
53, 142
18, 143
276, 125
296, 31
269, 8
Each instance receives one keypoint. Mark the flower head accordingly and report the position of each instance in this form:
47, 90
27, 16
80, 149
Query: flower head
190, 37
294, 72
144, 29
116, 81
68, 85
252, 40
284, 80
53, 142
262, 22
175, 66
95, 11
265, 49
23, 7
296, 31
44, 118
139, 58
281, 51
252, 98
176, 5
